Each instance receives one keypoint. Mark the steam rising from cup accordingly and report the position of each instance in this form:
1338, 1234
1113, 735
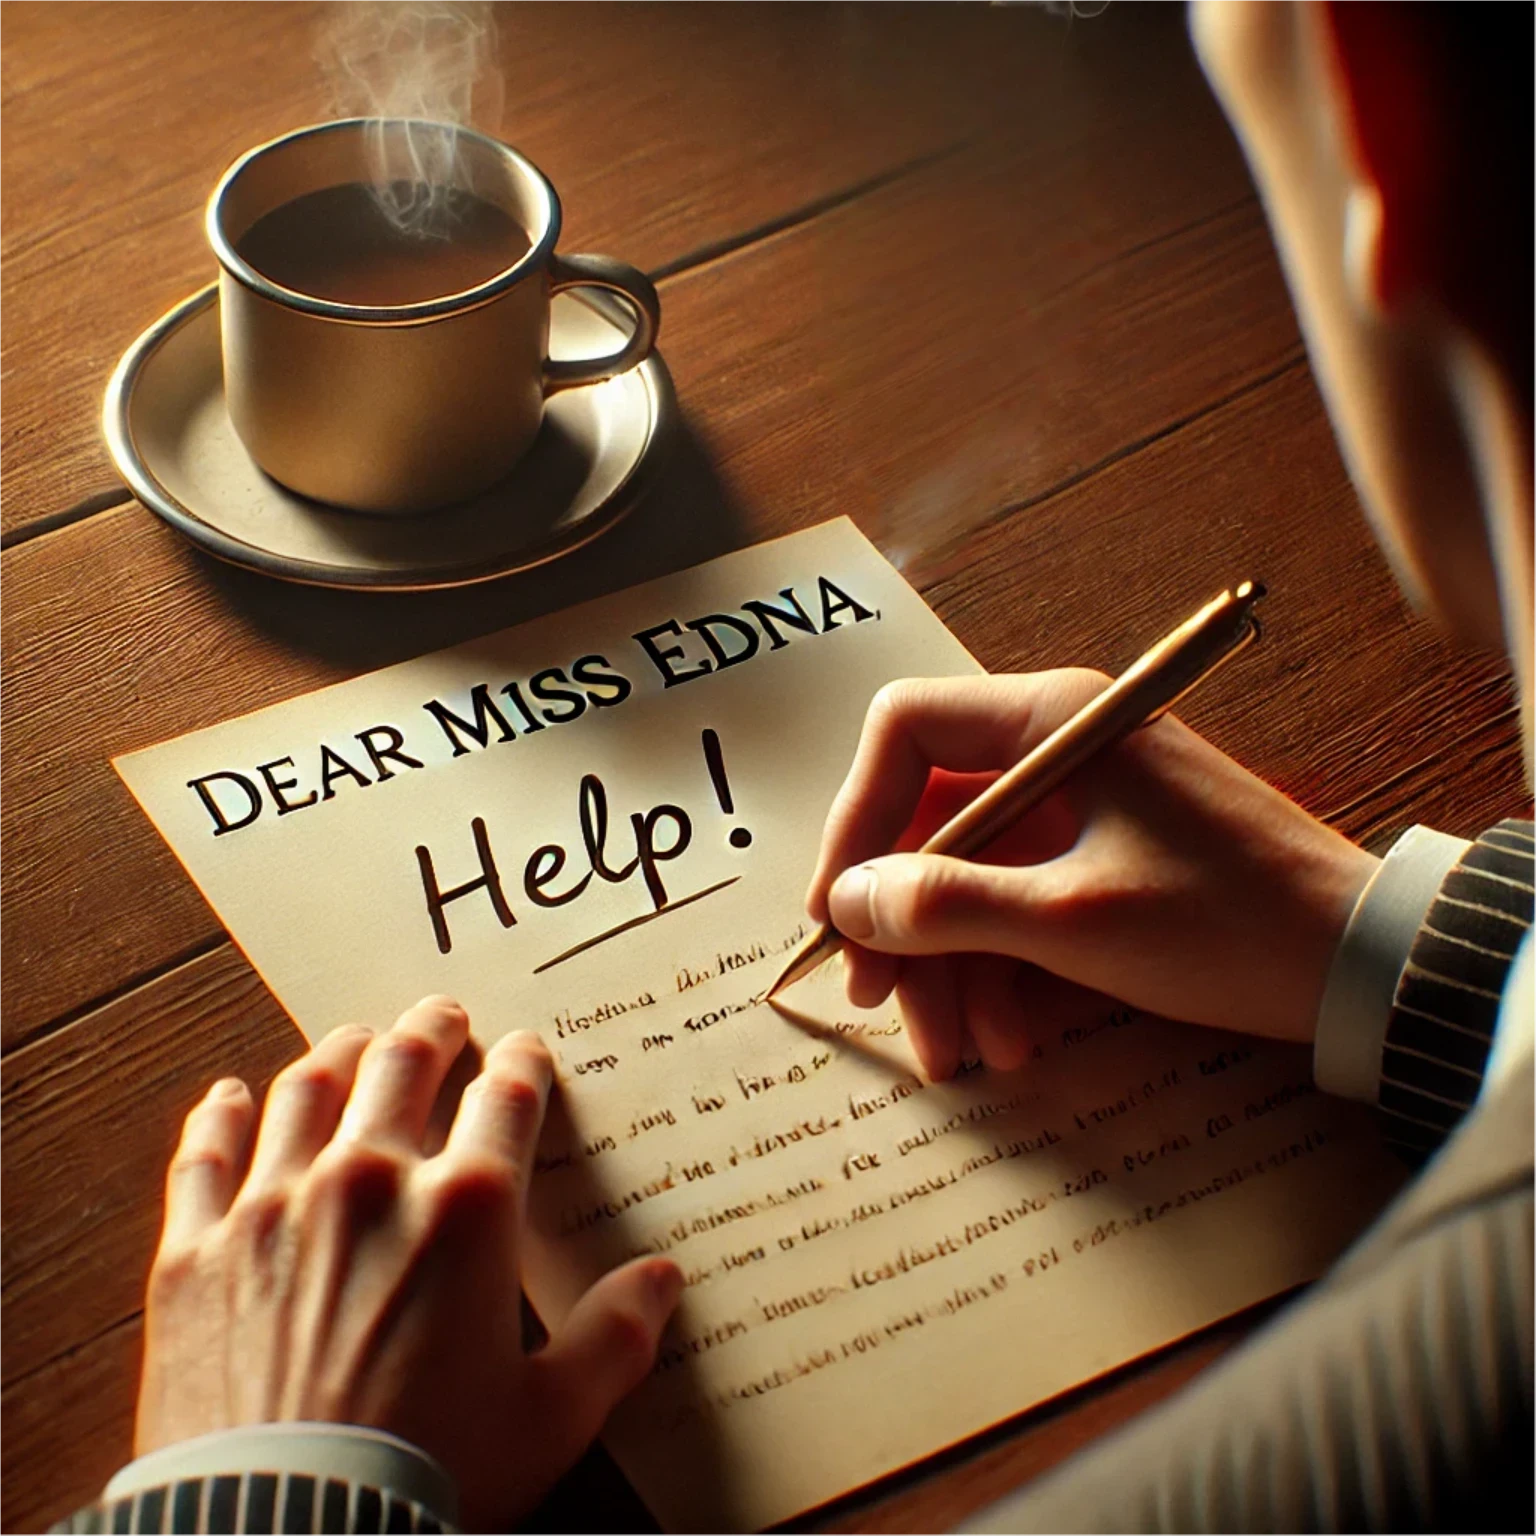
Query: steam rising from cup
430, 60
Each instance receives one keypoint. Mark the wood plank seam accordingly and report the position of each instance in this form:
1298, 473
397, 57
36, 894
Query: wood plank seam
92, 1005
65, 1355
1151, 243
83, 257
51, 522
706, 255
935, 559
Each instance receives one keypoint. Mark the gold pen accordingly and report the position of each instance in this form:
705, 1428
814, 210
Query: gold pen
1152, 686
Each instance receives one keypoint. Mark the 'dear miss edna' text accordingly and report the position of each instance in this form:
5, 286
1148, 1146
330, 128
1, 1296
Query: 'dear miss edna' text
677, 651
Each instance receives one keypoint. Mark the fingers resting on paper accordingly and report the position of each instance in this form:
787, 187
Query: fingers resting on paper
401, 1072
1163, 875
320, 1261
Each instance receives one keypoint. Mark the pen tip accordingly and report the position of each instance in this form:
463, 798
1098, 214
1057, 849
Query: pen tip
808, 955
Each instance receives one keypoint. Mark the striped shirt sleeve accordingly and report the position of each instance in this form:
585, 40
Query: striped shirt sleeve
303, 1477
1446, 1002
1362, 982
256, 1501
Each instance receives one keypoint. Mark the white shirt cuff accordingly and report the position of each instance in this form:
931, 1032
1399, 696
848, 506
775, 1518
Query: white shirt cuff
350, 1451
1362, 982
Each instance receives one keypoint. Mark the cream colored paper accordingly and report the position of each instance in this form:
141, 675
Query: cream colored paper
877, 1267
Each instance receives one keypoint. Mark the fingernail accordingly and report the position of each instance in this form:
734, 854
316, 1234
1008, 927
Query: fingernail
446, 1004
227, 1088
666, 1282
524, 1053
354, 1029
852, 902
531, 1043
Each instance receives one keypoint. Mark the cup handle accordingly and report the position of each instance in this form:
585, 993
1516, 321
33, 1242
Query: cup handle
637, 291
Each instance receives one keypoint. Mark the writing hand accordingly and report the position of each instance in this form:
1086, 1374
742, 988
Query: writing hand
1162, 875
335, 1272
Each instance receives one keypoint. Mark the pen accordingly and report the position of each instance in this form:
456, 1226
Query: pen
1153, 685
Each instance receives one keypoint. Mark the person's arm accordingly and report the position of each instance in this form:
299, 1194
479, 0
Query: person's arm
1166, 877
1397, 1396
333, 1338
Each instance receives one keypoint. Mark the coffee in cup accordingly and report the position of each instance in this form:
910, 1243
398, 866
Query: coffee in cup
344, 243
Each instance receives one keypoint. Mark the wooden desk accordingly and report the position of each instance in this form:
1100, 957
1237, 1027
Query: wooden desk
991, 281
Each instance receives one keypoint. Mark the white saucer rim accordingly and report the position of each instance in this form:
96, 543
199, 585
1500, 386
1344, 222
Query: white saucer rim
142, 481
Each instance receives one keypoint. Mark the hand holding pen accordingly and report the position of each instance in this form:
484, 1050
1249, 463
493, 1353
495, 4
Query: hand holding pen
1155, 871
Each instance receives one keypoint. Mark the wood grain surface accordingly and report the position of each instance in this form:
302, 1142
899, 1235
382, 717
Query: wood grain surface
990, 280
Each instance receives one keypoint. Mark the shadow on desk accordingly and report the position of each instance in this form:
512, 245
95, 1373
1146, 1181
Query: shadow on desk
684, 518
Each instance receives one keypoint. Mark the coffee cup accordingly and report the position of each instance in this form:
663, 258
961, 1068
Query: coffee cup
361, 387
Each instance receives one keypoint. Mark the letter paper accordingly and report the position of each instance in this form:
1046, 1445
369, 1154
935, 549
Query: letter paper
877, 1266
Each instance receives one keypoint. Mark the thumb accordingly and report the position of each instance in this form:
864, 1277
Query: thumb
927, 904
606, 1347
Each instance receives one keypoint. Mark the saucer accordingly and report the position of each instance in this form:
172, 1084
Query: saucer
170, 435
